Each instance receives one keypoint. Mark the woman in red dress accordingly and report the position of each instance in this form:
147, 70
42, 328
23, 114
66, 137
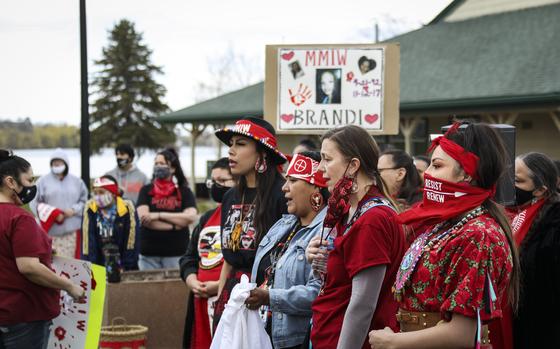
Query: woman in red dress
453, 276
367, 247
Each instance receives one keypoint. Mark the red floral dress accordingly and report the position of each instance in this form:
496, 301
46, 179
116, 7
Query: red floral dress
454, 277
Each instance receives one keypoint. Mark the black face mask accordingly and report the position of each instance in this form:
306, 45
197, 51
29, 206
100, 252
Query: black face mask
162, 172
522, 196
217, 192
27, 193
123, 162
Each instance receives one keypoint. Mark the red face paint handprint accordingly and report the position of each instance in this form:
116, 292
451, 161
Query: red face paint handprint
302, 95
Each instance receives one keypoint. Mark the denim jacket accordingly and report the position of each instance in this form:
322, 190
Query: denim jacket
295, 287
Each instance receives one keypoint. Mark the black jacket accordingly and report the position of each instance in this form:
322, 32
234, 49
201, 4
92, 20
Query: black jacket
537, 324
125, 231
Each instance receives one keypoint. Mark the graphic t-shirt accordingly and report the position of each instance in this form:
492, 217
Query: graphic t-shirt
165, 243
209, 243
240, 245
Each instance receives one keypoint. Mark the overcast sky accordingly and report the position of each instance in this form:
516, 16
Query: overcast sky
40, 57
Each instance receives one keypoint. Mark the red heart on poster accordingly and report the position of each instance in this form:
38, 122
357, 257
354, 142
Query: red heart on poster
287, 117
288, 56
371, 118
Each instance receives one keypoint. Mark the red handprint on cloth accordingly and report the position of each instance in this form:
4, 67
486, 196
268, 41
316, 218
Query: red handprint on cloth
302, 95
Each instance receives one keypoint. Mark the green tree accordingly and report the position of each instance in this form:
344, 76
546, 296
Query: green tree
128, 97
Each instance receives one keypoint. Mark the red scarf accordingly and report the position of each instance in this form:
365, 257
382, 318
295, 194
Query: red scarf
523, 219
444, 200
164, 188
339, 201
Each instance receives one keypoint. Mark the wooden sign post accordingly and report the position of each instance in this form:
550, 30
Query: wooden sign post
313, 88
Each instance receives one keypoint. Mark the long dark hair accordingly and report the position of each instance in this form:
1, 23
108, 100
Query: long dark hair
542, 171
12, 165
410, 189
315, 155
483, 141
262, 219
170, 155
355, 142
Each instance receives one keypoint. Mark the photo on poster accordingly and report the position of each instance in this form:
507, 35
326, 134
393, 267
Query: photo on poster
296, 70
366, 64
328, 86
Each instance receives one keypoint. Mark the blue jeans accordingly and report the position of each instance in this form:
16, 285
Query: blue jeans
155, 262
28, 335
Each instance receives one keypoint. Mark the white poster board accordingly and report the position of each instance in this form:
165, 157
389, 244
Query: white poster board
312, 88
78, 325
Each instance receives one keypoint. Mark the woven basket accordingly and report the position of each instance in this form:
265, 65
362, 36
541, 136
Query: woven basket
123, 336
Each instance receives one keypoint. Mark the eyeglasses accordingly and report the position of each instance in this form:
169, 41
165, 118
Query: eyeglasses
210, 182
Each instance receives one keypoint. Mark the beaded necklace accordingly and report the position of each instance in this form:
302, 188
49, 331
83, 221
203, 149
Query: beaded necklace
425, 243
276, 253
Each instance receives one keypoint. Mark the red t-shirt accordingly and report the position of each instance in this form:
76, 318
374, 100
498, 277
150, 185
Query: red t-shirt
374, 239
20, 299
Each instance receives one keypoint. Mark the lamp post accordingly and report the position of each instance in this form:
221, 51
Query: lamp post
84, 128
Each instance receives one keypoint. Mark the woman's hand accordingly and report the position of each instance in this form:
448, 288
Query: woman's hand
60, 218
77, 293
381, 339
313, 249
256, 298
196, 286
212, 288
146, 219
69, 213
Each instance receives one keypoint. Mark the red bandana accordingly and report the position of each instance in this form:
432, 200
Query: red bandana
468, 160
107, 184
444, 200
338, 203
164, 188
523, 219
306, 169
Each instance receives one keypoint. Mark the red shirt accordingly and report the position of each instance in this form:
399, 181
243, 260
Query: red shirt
374, 239
451, 278
20, 299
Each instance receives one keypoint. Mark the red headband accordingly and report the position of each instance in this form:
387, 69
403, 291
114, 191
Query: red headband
468, 160
306, 169
107, 184
261, 134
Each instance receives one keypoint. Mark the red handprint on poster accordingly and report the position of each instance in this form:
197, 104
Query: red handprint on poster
302, 95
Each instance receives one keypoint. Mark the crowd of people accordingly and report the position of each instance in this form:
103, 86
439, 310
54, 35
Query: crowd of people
348, 246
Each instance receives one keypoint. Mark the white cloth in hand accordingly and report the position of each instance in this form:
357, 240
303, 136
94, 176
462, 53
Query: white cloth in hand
239, 327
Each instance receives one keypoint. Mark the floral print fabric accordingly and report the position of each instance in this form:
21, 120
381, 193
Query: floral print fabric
452, 278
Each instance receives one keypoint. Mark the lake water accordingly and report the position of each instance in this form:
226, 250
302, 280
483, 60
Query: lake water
105, 161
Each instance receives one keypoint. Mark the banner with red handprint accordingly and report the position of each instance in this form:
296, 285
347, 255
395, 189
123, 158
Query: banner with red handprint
320, 87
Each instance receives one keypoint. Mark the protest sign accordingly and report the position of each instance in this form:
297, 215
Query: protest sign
78, 325
312, 88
